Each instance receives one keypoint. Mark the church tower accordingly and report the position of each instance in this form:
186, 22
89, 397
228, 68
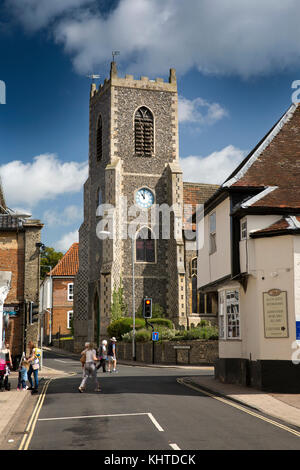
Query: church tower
133, 157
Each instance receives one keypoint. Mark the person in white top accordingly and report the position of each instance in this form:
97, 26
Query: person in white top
89, 368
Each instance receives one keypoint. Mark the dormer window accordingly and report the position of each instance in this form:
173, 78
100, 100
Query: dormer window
143, 132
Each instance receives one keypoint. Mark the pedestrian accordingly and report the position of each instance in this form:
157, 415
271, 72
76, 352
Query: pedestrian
89, 368
102, 355
23, 375
112, 356
34, 365
9, 364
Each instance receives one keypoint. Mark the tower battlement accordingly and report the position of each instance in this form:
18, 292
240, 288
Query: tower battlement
130, 82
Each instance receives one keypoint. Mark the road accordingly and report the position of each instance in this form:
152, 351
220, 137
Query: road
143, 408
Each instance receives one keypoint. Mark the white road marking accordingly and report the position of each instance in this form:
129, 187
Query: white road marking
65, 362
156, 424
175, 447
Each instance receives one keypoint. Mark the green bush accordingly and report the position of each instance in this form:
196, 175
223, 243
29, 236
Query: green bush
141, 336
164, 322
207, 332
119, 327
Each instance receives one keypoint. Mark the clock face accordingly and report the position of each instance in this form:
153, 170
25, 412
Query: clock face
144, 198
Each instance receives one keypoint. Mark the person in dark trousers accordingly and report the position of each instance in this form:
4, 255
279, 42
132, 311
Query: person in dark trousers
112, 355
102, 354
34, 362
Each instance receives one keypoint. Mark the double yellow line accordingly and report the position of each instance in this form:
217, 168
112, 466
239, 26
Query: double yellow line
239, 407
34, 417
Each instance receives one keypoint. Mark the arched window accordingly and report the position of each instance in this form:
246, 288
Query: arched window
143, 132
145, 246
99, 139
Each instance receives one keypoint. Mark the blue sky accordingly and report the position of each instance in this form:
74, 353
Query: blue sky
235, 66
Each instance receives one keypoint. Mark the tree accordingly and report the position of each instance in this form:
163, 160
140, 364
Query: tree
49, 257
118, 307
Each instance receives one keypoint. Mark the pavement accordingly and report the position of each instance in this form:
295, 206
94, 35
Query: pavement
285, 407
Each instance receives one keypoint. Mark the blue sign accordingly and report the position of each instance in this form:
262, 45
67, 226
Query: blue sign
297, 330
155, 336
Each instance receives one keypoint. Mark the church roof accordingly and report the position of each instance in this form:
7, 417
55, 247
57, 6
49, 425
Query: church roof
69, 263
193, 194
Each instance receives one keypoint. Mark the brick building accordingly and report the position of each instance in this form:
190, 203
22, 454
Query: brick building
20, 238
57, 294
133, 162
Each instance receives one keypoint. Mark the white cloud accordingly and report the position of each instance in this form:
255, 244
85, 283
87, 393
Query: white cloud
247, 38
66, 241
68, 216
35, 14
199, 111
44, 178
214, 168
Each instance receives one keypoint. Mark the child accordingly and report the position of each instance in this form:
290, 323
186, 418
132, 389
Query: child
23, 376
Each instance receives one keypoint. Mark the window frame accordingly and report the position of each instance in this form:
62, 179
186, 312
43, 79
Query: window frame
135, 121
144, 239
70, 296
212, 233
243, 229
98, 128
224, 321
69, 318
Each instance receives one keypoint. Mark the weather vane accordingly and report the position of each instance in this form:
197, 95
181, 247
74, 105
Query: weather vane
114, 54
93, 77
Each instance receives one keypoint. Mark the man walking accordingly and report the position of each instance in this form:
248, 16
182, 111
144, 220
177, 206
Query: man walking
112, 356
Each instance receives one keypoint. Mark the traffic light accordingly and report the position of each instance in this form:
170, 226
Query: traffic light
147, 307
34, 307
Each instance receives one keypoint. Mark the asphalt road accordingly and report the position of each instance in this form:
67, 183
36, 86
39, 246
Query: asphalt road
143, 408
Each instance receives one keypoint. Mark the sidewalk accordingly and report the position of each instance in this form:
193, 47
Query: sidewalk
285, 407
12, 401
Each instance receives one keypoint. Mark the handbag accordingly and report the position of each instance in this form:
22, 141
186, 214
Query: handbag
83, 359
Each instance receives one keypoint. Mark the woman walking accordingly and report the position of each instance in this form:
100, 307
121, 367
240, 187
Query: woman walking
102, 356
33, 359
89, 369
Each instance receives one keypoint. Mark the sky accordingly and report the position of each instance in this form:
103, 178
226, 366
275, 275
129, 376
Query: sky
235, 63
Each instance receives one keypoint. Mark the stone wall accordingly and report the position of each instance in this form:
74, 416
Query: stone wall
200, 352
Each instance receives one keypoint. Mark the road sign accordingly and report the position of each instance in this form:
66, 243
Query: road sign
155, 336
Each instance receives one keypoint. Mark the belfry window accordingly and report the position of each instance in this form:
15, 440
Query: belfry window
99, 139
143, 132
145, 246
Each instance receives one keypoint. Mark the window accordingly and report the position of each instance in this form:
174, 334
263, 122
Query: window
243, 229
194, 267
69, 319
143, 132
229, 314
145, 247
99, 139
212, 234
71, 291
98, 202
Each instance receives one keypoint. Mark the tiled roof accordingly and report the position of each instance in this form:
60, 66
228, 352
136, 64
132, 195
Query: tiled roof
288, 224
193, 194
274, 162
69, 263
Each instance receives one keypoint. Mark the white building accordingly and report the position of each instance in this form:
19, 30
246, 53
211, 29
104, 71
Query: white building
251, 260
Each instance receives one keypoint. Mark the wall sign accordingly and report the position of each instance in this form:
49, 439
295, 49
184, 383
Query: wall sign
275, 314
